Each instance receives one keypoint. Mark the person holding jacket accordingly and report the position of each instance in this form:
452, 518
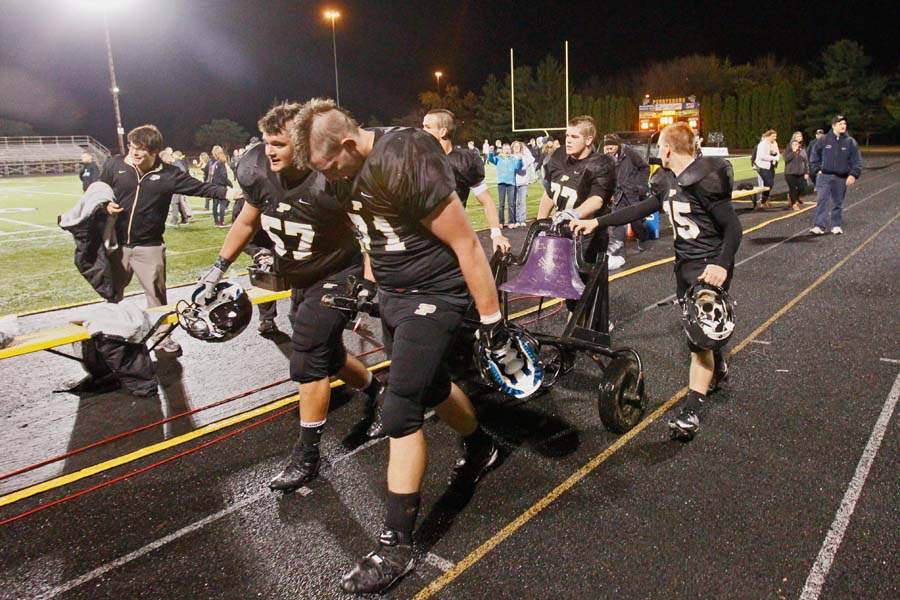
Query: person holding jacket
143, 186
766, 160
507, 165
837, 159
796, 170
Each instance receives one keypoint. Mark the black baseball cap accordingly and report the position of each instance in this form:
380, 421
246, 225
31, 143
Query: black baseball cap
838, 118
611, 139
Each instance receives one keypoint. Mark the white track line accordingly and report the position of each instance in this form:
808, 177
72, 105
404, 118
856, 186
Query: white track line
820, 568
27, 224
893, 361
441, 564
159, 543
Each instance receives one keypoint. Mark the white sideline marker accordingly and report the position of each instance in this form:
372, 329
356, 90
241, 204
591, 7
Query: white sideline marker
832, 542
893, 361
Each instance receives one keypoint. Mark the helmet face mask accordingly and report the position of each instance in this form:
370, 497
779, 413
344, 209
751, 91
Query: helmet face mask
707, 316
220, 319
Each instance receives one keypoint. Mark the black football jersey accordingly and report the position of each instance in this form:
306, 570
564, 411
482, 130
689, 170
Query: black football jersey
312, 235
574, 181
468, 170
688, 200
404, 178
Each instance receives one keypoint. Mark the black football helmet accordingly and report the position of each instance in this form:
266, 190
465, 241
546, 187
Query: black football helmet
707, 316
218, 320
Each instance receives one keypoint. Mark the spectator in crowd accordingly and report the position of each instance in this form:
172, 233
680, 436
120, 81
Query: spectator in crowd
534, 149
524, 177
837, 159
507, 165
202, 163
820, 133
143, 186
796, 170
546, 150
217, 174
765, 162
632, 185
474, 150
485, 150
498, 146
88, 171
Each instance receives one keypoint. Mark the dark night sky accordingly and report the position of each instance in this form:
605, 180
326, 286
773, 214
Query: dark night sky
180, 64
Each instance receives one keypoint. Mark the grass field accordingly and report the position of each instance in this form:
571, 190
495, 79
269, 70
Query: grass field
36, 257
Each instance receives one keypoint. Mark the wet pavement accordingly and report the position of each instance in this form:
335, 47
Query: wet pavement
572, 511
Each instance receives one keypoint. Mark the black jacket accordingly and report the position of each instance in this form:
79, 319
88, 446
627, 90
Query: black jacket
146, 198
632, 175
88, 173
836, 155
218, 174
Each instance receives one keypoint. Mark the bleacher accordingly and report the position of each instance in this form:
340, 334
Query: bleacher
47, 155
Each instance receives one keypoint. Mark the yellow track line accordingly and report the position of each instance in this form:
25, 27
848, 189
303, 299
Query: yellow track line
159, 447
517, 523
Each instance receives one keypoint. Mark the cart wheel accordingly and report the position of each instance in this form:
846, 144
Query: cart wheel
621, 398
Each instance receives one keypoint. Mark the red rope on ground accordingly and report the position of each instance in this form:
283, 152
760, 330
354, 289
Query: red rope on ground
144, 469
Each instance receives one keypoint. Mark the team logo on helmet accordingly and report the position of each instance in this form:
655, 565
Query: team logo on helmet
707, 316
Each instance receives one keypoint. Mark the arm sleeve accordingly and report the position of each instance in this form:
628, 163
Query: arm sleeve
106, 174
724, 215
631, 213
603, 182
855, 161
815, 158
187, 185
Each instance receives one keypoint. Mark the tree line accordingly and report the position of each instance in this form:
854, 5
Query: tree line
740, 101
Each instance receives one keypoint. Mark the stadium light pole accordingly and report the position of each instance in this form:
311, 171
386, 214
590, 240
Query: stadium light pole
437, 76
114, 88
333, 14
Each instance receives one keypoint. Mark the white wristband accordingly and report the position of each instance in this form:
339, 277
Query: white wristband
491, 319
495, 232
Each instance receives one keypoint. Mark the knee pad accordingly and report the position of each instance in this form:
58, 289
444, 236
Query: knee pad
401, 416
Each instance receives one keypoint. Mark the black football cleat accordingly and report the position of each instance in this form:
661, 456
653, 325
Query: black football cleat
300, 470
377, 571
472, 466
685, 426
376, 426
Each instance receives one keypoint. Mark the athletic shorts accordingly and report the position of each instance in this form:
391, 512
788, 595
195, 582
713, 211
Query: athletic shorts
418, 330
686, 274
318, 332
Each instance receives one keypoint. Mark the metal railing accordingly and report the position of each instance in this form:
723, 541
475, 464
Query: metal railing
47, 155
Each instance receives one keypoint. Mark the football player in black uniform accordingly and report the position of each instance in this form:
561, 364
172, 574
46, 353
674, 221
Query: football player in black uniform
316, 251
426, 260
696, 194
581, 181
468, 169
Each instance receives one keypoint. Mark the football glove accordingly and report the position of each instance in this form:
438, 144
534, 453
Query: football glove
569, 214
205, 290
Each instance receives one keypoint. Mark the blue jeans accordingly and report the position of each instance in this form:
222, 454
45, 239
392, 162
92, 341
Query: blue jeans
833, 187
521, 204
219, 209
506, 197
